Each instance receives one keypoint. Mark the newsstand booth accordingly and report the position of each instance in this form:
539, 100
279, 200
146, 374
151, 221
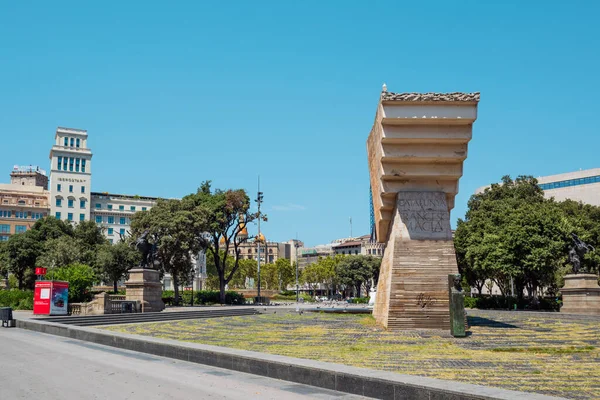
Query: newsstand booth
51, 298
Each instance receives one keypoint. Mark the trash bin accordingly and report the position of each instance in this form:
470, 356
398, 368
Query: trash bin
6, 316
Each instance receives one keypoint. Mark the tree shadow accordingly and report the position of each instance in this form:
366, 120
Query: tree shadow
489, 323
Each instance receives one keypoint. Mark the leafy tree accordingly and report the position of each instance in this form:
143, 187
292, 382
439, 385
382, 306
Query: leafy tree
512, 234
21, 251
114, 261
60, 252
355, 271
81, 278
286, 273
172, 228
221, 214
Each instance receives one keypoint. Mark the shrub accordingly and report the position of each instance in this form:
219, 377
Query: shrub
16, 299
203, 297
81, 279
470, 302
360, 300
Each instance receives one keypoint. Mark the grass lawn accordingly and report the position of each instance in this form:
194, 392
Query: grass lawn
546, 353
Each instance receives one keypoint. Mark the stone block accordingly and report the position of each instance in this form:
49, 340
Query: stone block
581, 294
144, 286
312, 376
349, 384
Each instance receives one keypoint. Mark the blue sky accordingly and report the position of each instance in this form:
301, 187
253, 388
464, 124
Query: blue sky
174, 93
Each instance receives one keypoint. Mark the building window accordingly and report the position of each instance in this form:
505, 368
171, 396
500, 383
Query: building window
59, 188
122, 232
122, 221
121, 208
66, 142
57, 215
20, 228
83, 165
70, 203
72, 142
98, 219
4, 228
77, 142
98, 206
132, 208
77, 165
70, 216
110, 241
144, 208
82, 217
21, 202
71, 161
58, 202
59, 163
111, 219
109, 206
70, 188
110, 231
4, 238
83, 189
81, 203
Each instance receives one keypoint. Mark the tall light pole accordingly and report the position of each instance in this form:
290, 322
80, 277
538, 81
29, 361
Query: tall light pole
296, 245
259, 200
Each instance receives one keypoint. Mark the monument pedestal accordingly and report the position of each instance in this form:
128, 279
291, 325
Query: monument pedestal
412, 291
144, 286
581, 294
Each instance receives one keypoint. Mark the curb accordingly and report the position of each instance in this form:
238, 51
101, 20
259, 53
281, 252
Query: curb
342, 378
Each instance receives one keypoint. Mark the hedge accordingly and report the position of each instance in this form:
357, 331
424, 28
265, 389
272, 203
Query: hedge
203, 297
17, 299
508, 303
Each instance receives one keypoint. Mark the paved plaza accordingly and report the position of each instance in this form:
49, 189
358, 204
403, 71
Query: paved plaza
549, 353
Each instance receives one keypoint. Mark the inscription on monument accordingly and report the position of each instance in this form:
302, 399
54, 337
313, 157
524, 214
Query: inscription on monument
424, 214
425, 300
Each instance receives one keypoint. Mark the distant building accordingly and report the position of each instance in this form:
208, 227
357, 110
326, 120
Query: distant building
23, 201
583, 186
113, 212
362, 245
70, 175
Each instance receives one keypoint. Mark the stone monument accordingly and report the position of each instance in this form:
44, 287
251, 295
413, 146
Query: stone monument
416, 150
143, 285
581, 293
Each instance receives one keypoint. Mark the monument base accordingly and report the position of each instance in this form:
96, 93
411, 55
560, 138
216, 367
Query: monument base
412, 292
581, 294
144, 287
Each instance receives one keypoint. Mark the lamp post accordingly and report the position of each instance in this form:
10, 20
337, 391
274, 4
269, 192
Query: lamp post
259, 200
296, 245
193, 272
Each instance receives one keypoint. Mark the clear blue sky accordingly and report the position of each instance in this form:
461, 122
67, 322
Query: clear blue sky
174, 93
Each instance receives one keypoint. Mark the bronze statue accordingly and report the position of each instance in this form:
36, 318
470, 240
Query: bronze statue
576, 253
147, 249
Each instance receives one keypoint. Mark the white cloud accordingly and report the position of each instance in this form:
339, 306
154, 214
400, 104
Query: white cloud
289, 207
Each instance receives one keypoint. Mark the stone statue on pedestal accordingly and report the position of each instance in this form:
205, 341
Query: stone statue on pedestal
147, 249
457, 306
576, 253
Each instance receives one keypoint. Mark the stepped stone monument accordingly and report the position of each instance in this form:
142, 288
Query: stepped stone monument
416, 150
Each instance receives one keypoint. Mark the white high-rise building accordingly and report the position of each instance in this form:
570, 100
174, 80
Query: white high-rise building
70, 175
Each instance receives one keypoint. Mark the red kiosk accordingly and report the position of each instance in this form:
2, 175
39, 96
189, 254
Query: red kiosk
50, 297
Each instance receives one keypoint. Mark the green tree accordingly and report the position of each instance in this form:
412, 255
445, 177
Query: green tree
286, 273
512, 234
221, 214
355, 270
21, 251
114, 261
81, 278
60, 252
172, 228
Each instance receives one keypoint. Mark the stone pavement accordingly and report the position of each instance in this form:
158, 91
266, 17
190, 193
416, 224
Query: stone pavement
549, 353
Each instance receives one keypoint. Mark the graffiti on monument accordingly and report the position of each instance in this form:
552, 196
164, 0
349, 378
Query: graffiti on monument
425, 300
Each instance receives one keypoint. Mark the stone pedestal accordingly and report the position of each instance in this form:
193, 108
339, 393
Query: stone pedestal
458, 318
581, 294
144, 286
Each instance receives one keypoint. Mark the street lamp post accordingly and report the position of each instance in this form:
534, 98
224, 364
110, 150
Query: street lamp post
259, 200
193, 279
296, 245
